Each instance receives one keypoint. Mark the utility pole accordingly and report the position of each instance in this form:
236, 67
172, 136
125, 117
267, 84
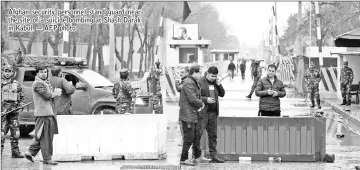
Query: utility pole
112, 44
318, 32
310, 43
298, 44
66, 45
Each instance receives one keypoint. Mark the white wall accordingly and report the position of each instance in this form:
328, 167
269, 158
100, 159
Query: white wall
171, 55
354, 62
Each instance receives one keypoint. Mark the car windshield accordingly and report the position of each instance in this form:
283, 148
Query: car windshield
95, 79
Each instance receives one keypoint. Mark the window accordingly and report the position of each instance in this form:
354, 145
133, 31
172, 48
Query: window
72, 78
29, 75
231, 56
188, 55
226, 56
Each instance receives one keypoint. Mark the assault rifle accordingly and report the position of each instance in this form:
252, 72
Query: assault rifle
13, 110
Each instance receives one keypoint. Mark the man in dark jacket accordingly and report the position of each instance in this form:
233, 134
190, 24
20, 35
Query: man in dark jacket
232, 68
211, 89
242, 69
63, 104
270, 89
184, 72
190, 105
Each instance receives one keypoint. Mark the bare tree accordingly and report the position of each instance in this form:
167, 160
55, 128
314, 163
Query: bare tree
27, 50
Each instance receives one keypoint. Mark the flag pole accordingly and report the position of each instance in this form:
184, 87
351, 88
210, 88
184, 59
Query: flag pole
158, 37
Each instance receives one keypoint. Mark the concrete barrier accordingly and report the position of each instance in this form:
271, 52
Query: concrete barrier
294, 139
107, 137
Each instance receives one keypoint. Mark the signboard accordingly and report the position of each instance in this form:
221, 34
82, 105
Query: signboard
186, 31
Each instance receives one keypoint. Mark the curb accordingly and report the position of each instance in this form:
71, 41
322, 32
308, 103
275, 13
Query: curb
346, 115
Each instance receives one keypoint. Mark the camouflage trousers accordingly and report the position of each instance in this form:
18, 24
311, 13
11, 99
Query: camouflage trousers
124, 108
314, 92
10, 122
345, 91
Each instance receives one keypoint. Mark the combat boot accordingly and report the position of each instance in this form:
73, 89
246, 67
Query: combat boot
17, 155
318, 103
343, 103
312, 104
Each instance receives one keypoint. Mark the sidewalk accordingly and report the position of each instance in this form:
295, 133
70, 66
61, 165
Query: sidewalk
352, 116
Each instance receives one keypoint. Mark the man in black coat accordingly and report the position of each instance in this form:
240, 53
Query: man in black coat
211, 89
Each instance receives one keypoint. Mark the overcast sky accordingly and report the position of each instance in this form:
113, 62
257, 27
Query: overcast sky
249, 20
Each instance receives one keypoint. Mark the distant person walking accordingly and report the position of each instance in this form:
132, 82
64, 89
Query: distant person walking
231, 68
243, 69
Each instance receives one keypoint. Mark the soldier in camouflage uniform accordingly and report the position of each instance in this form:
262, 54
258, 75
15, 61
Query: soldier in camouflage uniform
312, 80
11, 97
154, 78
123, 93
257, 72
346, 79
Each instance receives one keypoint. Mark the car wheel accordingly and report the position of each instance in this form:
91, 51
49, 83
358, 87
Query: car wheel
26, 129
105, 111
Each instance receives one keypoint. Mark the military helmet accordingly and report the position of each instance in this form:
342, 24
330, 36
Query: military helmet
346, 63
8, 67
124, 72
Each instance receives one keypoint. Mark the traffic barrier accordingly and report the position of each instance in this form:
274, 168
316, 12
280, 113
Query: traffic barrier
107, 137
329, 77
171, 74
328, 87
294, 139
285, 72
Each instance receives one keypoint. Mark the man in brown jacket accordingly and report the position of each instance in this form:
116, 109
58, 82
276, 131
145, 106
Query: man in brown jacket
190, 105
45, 120
62, 104
270, 89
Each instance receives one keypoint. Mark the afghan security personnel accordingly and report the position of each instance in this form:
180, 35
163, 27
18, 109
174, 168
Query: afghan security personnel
257, 72
12, 97
123, 93
346, 79
312, 80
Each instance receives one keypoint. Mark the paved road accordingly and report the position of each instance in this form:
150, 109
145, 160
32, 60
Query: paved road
347, 150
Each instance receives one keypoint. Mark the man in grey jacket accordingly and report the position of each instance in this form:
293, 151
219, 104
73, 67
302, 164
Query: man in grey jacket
270, 89
190, 105
63, 104
45, 120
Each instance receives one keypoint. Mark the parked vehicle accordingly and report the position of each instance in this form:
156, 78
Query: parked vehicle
93, 94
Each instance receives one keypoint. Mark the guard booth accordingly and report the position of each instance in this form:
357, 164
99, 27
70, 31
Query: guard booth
186, 46
224, 55
181, 46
